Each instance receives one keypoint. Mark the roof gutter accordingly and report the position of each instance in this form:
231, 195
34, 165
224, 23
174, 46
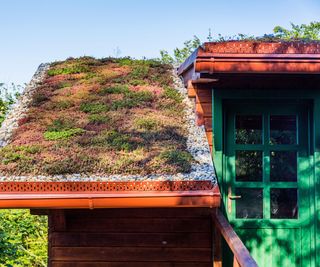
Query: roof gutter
205, 198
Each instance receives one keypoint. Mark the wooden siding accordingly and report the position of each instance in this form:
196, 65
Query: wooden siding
130, 237
203, 105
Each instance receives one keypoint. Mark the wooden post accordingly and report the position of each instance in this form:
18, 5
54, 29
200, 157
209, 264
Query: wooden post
58, 220
56, 223
217, 250
235, 262
241, 254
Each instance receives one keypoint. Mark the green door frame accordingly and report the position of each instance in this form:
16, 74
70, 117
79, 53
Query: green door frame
313, 97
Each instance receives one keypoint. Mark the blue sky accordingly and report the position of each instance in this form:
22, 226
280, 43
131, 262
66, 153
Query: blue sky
35, 31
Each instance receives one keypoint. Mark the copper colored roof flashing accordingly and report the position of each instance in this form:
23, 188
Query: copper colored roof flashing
72, 195
255, 57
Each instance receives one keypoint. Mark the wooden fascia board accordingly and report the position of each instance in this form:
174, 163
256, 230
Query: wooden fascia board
252, 56
258, 63
188, 63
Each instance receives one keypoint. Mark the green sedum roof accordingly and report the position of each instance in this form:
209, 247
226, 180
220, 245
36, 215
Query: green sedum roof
101, 116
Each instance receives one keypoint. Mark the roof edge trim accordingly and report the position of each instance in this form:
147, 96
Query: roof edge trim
207, 198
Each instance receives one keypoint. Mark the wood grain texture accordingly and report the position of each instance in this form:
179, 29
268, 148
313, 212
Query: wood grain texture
242, 256
131, 254
132, 237
174, 240
130, 264
130, 225
141, 213
203, 108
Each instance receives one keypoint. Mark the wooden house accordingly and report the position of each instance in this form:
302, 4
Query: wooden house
109, 150
261, 100
116, 152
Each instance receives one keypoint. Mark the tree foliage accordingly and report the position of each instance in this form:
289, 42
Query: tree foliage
23, 239
305, 32
8, 95
180, 54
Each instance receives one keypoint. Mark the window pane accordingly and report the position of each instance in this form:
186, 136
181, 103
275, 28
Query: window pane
283, 130
248, 129
248, 166
283, 166
250, 204
284, 203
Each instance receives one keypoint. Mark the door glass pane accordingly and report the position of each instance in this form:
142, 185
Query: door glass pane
283, 130
284, 203
250, 205
248, 166
283, 166
248, 129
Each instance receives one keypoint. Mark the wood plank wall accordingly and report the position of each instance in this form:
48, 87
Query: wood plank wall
130, 237
203, 100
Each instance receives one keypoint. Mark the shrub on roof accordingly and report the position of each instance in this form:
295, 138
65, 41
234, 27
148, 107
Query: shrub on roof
148, 124
140, 72
133, 99
63, 134
73, 69
180, 159
12, 157
60, 124
173, 94
125, 61
115, 140
99, 119
92, 108
9, 154
118, 89
64, 84
78, 163
38, 99
61, 105
25, 149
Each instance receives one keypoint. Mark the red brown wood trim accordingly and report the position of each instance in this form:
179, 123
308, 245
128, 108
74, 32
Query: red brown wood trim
66, 187
241, 253
265, 56
82, 199
44, 201
58, 220
247, 66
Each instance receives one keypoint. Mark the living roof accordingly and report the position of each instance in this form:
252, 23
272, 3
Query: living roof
276, 46
101, 117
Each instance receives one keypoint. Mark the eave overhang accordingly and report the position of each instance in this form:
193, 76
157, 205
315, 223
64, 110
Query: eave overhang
92, 195
250, 57
258, 63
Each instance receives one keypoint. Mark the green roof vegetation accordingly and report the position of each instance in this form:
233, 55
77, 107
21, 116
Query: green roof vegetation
101, 116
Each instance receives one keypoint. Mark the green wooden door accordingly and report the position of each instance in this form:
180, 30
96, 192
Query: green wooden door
267, 171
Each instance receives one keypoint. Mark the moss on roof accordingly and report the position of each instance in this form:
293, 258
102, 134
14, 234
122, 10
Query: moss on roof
101, 116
